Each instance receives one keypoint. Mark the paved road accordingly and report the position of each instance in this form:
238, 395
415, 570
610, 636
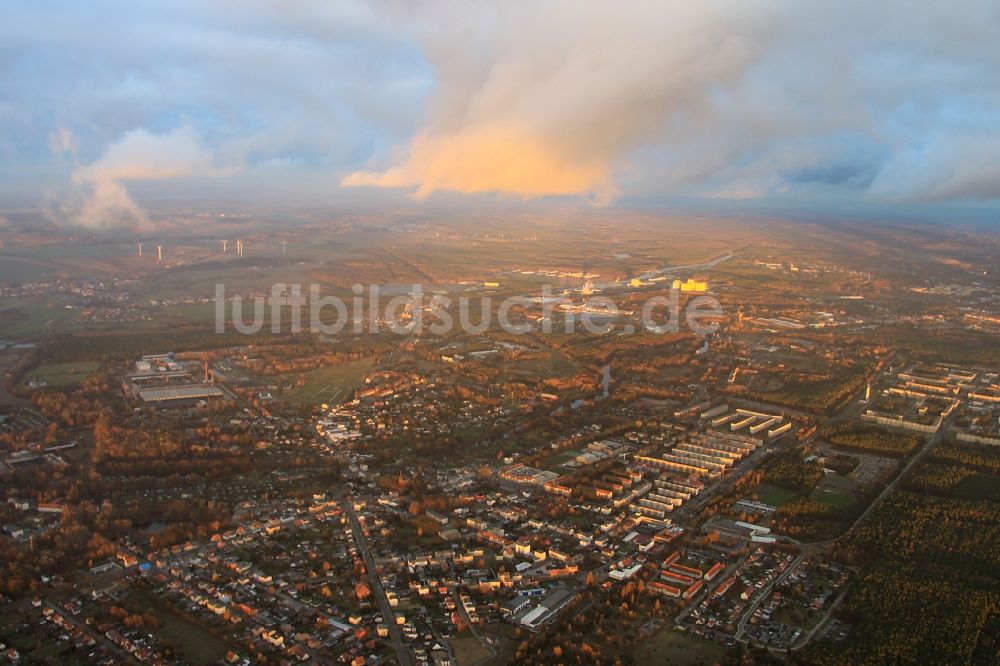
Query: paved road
741, 468
402, 652
808, 636
690, 267
665, 270
99, 638
928, 445
709, 589
809, 547
472, 627
759, 599
723, 484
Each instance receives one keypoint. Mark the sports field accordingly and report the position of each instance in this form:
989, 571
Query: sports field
330, 385
833, 498
61, 374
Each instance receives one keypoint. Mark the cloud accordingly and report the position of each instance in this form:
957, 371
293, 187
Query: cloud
955, 166
752, 99
491, 159
63, 142
533, 100
851, 101
101, 203
98, 198
142, 155
318, 86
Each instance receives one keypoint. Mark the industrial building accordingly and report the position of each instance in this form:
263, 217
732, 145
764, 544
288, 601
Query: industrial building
547, 609
522, 474
691, 285
177, 396
533, 616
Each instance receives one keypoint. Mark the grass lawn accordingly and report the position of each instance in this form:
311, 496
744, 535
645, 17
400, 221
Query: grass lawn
194, 312
330, 385
778, 496
196, 644
833, 498
556, 365
62, 374
553, 462
470, 434
669, 646
797, 616
468, 649
979, 487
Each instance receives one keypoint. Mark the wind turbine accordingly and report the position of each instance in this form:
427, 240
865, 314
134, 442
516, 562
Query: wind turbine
223, 245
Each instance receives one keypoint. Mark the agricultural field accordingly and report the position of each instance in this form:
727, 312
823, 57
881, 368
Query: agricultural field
25, 317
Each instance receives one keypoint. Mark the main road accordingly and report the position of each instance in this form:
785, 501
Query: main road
917, 457
402, 652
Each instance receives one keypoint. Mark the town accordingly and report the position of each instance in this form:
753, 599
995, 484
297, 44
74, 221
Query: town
488, 497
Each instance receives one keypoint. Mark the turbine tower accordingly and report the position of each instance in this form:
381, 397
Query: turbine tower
284, 245
140, 248
223, 246
159, 253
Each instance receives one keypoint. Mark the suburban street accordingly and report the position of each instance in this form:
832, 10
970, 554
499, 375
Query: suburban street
763, 594
402, 652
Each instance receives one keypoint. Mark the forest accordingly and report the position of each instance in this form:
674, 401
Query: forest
969, 471
853, 435
930, 583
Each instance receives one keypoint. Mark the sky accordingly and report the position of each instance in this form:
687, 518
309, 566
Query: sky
835, 106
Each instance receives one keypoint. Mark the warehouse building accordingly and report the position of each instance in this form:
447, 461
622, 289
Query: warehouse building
182, 396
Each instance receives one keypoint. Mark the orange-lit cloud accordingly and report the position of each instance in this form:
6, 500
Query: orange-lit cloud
549, 99
490, 159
